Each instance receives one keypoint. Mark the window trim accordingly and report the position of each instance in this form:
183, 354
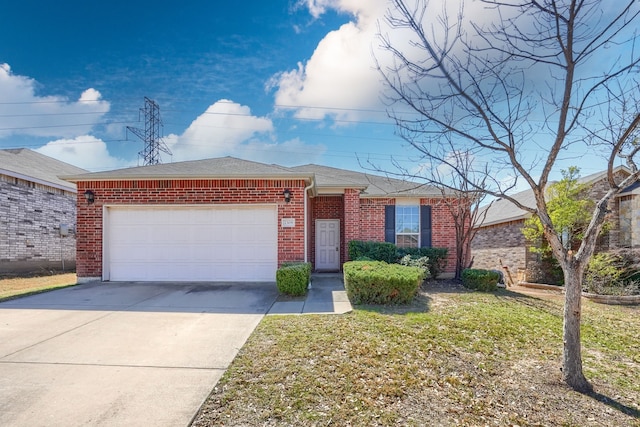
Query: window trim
416, 234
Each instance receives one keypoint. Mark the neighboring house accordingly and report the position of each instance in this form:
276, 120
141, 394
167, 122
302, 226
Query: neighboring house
499, 241
37, 213
231, 219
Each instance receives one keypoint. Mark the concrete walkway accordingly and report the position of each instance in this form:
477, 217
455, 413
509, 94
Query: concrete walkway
326, 296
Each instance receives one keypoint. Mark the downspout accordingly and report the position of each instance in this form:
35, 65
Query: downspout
306, 219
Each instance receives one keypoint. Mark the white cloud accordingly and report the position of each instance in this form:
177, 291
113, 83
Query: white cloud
340, 79
22, 112
227, 128
342, 71
84, 151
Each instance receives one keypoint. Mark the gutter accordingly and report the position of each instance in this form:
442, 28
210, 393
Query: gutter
311, 185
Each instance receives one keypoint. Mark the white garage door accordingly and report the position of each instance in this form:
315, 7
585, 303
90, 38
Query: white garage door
172, 243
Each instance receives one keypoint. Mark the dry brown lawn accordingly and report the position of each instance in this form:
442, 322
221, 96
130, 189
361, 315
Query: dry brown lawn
452, 358
11, 287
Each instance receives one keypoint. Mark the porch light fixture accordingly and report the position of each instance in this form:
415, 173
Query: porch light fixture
89, 196
287, 195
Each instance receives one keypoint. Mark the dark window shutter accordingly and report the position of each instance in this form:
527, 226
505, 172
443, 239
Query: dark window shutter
425, 226
390, 224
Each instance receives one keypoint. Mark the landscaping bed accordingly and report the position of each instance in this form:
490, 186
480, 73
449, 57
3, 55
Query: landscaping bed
451, 357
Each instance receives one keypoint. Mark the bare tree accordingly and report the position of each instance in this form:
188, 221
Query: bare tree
535, 82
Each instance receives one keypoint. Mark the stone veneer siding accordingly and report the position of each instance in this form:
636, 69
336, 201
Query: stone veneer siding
30, 219
629, 223
186, 192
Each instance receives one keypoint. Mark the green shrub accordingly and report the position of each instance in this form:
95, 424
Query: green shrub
480, 280
293, 278
417, 261
377, 251
377, 282
437, 258
613, 273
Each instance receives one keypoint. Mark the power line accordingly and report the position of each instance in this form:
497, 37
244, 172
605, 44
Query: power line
151, 135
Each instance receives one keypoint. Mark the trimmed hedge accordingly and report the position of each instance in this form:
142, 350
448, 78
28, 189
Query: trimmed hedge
293, 278
480, 280
390, 253
377, 282
376, 251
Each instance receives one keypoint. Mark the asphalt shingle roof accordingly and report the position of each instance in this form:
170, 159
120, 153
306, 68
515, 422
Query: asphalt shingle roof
223, 167
32, 166
373, 185
231, 167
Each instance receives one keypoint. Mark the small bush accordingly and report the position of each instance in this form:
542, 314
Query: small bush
613, 273
377, 282
293, 278
437, 258
480, 280
417, 261
377, 251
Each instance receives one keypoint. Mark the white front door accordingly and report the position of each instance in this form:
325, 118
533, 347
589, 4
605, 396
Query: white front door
328, 244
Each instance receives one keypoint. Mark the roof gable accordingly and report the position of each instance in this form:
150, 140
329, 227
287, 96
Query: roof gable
372, 185
32, 166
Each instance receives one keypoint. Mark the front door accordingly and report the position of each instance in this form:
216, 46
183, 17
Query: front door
328, 244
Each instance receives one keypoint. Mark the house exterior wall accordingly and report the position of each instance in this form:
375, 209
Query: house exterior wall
443, 231
501, 242
186, 192
372, 218
629, 236
364, 219
506, 242
325, 207
30, 219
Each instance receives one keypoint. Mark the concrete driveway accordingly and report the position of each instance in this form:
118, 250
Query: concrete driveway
116, 354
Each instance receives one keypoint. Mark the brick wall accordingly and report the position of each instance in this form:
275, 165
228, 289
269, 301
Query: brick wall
30, 219
500, 242
325, 207
194, 192
507, 243
351, 201
372, 218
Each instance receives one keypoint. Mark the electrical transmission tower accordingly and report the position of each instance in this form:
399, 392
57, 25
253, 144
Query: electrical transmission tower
151, 135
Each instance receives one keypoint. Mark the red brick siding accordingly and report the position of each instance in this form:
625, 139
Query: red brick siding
443, 231
351, 219
372, 218
363, 219
191, 192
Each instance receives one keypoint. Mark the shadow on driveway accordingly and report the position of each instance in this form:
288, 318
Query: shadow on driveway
196, 297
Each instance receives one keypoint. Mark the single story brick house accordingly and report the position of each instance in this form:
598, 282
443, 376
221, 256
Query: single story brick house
37, 213
499, 241
227, 219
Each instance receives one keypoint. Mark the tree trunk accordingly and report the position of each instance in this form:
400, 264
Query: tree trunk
572, 354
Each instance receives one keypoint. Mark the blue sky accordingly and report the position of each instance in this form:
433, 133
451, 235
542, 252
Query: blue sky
280, 81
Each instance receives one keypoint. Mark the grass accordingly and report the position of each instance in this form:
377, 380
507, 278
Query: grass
453, 358
13, 287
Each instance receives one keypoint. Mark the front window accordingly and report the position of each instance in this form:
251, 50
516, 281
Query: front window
407, 226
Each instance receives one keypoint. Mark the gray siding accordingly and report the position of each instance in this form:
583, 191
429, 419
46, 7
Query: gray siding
30, 219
